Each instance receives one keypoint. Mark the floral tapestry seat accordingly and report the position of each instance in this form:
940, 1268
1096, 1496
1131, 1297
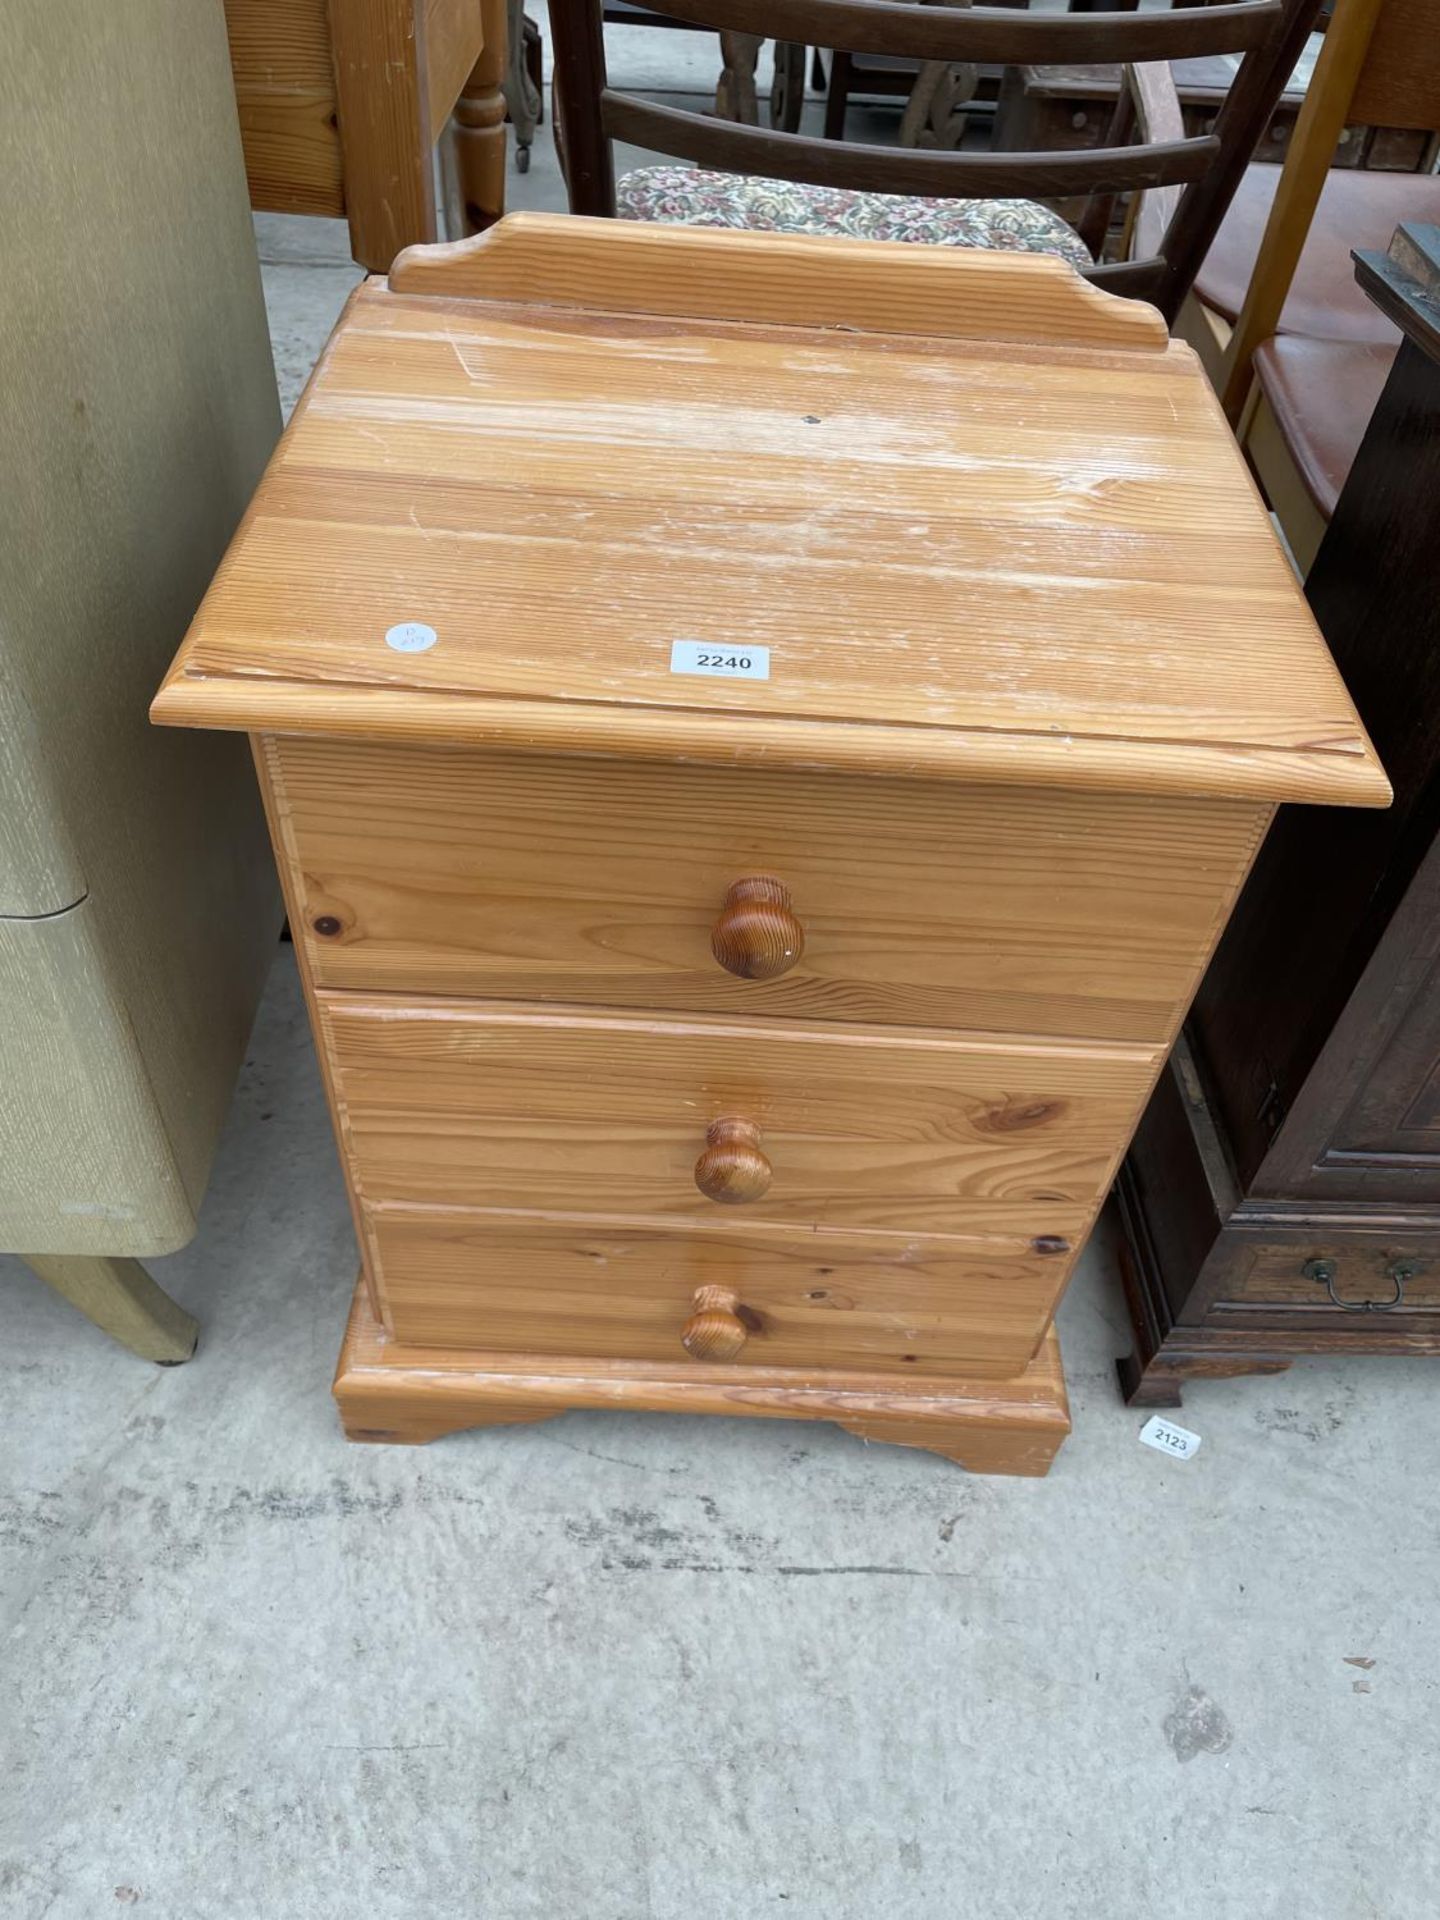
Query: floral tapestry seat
694, 197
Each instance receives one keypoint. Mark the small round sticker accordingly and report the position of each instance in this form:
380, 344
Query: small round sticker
411, 636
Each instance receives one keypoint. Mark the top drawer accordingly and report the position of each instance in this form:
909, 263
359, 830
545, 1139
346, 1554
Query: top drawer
439, 870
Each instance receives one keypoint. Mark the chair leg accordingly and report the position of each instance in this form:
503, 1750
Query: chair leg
787, 89
838, 98
534, 47
524, 100
120, 1298
1263, 442
735, 96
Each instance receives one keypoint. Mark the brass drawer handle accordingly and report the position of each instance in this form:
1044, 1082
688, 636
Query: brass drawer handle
732, 1169
715, 1330
757, 937
1399, 1273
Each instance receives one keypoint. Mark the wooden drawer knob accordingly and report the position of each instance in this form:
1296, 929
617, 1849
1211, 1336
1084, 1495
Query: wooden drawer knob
732, 1169
757, 936
714, 1330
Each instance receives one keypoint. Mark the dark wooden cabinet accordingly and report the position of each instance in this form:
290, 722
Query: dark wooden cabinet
1282, 1195
1060, 109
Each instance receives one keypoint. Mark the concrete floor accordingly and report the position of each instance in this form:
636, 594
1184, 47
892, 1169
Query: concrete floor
644, 1668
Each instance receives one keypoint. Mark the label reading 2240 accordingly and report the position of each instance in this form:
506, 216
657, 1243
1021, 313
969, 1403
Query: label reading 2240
725, 663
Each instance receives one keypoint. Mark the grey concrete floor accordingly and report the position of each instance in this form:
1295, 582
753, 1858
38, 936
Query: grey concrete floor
631, 1667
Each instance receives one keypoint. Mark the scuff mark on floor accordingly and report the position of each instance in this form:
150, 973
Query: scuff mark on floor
1195, 1725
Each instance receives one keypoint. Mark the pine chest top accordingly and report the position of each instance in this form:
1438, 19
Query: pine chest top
678, 494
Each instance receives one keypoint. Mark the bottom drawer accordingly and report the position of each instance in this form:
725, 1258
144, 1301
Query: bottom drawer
619, 1289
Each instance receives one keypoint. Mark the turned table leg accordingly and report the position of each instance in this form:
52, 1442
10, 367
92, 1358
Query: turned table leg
120, 1298
478, 128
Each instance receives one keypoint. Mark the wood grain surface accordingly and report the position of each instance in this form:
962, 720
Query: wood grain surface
472, 152
341, 103
715, 1329
452, 39
757, 934
1363, 1271
1399, 85
622, 1289
285, 90
484, 1105
385, 139
559, 260
439, 871
734, 1169
1035, 562
396, 1393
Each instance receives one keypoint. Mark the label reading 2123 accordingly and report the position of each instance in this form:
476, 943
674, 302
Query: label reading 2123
725, 663
1166, 1437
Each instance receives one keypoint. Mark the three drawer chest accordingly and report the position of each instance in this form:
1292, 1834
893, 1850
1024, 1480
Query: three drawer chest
761, 737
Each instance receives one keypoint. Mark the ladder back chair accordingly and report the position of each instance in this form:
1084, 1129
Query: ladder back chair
1182, 183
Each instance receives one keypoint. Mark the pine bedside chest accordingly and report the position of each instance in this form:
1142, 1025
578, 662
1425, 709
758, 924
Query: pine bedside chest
761, 736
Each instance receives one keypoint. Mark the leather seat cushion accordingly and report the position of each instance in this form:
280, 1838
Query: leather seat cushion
1322, 393
1357, 209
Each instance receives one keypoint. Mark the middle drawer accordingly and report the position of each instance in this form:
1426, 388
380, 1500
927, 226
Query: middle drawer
467, 1104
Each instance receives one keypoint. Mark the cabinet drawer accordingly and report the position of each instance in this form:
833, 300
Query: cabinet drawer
620, 1289
465, 1104
437, 870
1346, 1271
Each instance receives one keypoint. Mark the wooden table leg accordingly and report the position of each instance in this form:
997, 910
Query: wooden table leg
120, 1298
384, 127
478, 128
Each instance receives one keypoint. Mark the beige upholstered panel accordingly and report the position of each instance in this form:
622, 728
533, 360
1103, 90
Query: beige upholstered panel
40, 869
85, 1160
137, 908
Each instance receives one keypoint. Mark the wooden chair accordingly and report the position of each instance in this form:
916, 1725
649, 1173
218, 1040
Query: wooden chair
1297, 352
342, 104
1183, 185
